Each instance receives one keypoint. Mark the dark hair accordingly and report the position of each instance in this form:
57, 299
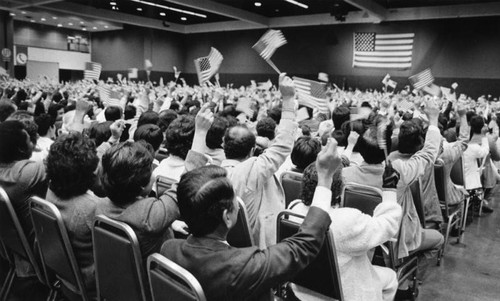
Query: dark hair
6, 109
310, 181
113, 113
266, 127
21, 96
148, 117
57, 97
126, 170
29, 124
130, 112
13, 146
410, 139
275, 113
203, 195
179, 136
368, 148
238, 142
339, 116
304, 152
165, 119
100, 132
71, 163
216, 132
44, 122
53, 109
476, 124
150, 133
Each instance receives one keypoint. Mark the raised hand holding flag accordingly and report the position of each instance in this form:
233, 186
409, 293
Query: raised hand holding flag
267, 45
207, 66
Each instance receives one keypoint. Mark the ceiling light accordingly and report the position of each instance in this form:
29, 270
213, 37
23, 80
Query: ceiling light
163, 14
70, 24
32, 21
183, 18
43, 19
94, 28
139, 9
106, 26
187, 12
23, 12
258, 4
112, 3
81, 22
13, 14
297, 3
54, 18
84, 29
59, 25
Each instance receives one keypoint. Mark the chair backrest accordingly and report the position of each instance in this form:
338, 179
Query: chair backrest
240, 236
118, 262
457, 172
322, 274
417, 201
163, 184
169, 281
162, 154
13, 237
55, 245
441, 181
292, 185
362, 197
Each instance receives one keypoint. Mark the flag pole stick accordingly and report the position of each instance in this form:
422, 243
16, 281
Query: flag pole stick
273, 66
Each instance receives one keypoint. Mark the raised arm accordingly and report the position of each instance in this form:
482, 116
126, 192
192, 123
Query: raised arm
414, 167
270, 161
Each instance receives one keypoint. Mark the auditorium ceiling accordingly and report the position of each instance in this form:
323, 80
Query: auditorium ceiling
198, 16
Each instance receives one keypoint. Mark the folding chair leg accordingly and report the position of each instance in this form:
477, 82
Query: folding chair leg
464, 221
446, 237
7, 285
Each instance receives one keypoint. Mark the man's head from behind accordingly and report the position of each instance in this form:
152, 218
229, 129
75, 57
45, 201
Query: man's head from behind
368, 148
239, 143
126, 171
410, 139
476, 124
207, 201
113, 113
15, 143
304, 152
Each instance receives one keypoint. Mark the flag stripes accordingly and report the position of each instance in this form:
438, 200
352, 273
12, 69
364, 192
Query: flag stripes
207, 66
311, 94
92, 71
269, 42
422, 79
392, 51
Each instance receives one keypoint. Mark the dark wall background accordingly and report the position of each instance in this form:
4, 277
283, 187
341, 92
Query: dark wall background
44, 36
128, 48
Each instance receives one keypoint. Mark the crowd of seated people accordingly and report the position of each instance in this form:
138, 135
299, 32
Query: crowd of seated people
92, 156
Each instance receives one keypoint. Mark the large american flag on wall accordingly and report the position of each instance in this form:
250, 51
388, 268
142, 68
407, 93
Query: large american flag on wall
391, 51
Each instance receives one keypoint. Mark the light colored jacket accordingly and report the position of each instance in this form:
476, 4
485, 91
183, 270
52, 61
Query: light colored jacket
411, 168
255, 183
354, 233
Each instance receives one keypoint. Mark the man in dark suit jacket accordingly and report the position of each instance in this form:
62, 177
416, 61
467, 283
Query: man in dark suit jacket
208, 204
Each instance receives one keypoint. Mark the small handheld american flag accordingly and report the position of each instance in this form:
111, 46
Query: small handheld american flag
311, 94
269, 42
92, 71
422, 79
207, 66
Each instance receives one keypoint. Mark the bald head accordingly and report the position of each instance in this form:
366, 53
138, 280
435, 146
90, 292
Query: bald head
238, 142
